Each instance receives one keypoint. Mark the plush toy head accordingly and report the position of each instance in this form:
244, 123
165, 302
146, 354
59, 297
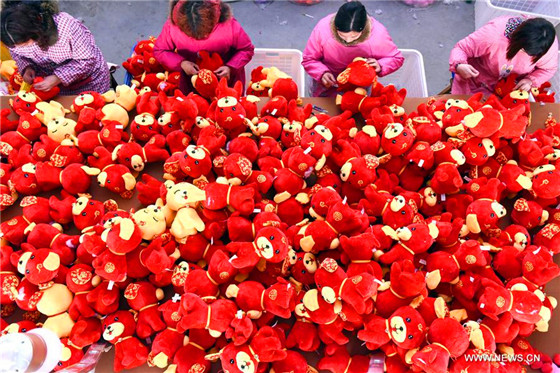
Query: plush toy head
118, 179
38, 265
483, 215
546, 181
357, 74
87, 212
118, 325
196, 161
407, 327
182, 195
264, 347
397, 139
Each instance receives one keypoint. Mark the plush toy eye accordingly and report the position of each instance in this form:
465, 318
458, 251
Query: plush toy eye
25, 175
323, 140
91, 203
277, 251
233, 108
394, 141
550, 172
59, 364
412, 229
515, 101
335, 186
410, 336
232, 361
354, 172
231, 174
271, 238
484, 156
32, 257
137, 126
492, 215
116, 319
127, 159
84, 214
480, 145
405, 134
408, 319
221, 111
403, 212
24, 330
299, 259
196, 162
303, 271
27, 271
150, 127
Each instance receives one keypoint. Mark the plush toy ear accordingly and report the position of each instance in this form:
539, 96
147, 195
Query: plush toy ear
109, 96
195, 194
434, 231
91, 171
116, 152
238, 87
310, 300
129, 181
472, 223
127, 229
52, 262
328, 294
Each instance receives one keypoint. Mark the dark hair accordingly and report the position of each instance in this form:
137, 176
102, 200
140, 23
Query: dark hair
351, 16
22, 21
535, 36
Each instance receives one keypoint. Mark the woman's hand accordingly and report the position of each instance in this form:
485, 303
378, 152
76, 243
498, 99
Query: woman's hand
29, 75
48, 83
328, 79
524, 85
466, 71
223, 72
373, 63
190, 68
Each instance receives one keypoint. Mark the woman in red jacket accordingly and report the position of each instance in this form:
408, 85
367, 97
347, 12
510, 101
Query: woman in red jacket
195, 26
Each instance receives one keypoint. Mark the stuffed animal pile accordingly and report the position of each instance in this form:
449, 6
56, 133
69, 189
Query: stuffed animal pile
427, 236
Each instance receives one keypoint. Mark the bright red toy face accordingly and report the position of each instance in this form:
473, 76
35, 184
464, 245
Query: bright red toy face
272, 244
118, 325
477, 151
195, 161
238, 359
546, 181
230, 113
319, 139
397, 139
407, 328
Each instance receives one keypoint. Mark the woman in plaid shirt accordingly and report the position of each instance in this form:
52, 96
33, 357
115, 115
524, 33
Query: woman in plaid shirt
52, 44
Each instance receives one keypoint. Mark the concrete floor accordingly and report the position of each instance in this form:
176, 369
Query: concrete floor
281, 24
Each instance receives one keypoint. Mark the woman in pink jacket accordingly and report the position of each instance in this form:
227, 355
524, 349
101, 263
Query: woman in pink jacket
505, 45
338, 39
195, 26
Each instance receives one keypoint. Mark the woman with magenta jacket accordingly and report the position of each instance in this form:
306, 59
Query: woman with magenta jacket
208, 25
